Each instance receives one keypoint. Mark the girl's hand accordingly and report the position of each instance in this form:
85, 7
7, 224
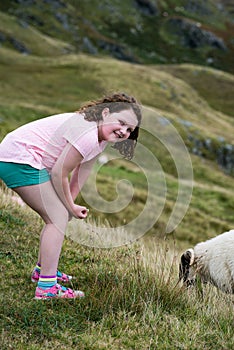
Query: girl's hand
80, 212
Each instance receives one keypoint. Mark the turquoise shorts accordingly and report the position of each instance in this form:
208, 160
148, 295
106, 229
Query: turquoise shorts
15, 174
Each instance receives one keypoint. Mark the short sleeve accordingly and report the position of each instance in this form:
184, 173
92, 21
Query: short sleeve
83, 135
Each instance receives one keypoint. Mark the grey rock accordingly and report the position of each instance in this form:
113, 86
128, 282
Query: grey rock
217, 150
89, 47
199, 7
116, 51
192, 36
19, 46
147, 7
2, 37
63, 18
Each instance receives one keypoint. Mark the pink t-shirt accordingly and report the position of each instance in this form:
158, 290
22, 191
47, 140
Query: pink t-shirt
40, 142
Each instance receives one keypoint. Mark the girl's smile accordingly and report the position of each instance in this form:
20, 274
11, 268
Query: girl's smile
116, 127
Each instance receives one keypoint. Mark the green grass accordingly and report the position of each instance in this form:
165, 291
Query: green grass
132, 297
34, 41
220, 92
35, 87
210, 210
54, 29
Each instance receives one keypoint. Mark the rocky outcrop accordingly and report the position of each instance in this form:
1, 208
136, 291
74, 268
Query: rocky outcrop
147, 7
139, 31
9, 40
118, 51
191, 34
201, 8
217, 150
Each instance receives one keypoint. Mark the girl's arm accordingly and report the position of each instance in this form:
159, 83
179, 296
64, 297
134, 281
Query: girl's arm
79, 177
69, 159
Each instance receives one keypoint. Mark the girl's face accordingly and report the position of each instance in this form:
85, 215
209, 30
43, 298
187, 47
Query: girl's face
117, 126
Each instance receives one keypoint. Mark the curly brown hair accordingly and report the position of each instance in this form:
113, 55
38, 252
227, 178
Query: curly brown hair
93, 112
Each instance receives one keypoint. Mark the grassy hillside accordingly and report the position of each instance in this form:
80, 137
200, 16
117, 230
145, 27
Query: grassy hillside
29, 39
148, 31
34, 87
132, 299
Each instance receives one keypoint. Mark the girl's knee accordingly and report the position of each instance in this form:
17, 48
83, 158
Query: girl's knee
59, 217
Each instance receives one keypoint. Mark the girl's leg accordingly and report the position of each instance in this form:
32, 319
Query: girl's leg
43, 199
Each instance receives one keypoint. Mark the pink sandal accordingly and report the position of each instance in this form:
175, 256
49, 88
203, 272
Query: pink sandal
57, 291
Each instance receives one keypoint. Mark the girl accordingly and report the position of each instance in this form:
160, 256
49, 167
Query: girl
46, 162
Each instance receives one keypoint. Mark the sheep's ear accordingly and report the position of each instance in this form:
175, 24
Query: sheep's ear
186, 261
188, 256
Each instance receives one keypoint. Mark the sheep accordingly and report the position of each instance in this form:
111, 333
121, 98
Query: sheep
212, 261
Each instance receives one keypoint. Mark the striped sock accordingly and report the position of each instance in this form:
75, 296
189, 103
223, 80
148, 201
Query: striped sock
46, 282
38, 267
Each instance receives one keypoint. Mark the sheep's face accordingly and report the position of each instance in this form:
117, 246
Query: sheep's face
187, 269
